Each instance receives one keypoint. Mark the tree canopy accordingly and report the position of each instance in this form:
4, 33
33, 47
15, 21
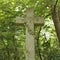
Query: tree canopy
12, 36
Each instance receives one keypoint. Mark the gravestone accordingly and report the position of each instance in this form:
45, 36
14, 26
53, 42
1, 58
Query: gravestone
30, 20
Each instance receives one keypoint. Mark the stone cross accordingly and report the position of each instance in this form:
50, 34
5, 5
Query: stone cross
30, 20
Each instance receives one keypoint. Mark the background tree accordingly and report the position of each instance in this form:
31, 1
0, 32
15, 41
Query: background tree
12, 36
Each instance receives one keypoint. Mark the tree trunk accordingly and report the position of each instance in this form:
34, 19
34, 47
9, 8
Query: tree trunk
56, 21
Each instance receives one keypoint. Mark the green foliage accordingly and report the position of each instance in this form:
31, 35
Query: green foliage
12, 36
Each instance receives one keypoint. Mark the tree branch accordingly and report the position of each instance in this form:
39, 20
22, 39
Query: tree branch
38, 43
55, 4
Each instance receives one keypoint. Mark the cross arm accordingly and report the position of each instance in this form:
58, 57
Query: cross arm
20, 20
39, 20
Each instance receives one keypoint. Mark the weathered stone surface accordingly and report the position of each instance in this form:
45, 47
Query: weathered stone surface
29, 20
